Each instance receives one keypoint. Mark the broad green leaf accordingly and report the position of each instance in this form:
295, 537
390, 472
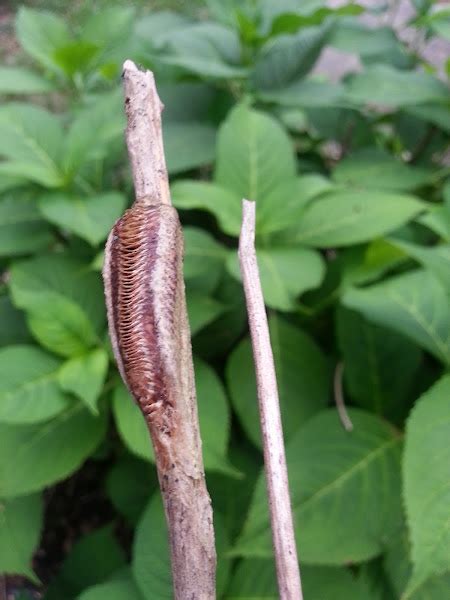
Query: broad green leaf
397, 566
95, 128
17, 80
152, 29
384, 85
188, 145
204, 259
287, 58
93, 559
343, 218
371, 44
14, 329
426, 475
286, 203
63, 300
213, 416
374, 169
379, 364
75, 57
89, 217
254, 154
438, 114
285, 273
255, 579
35, 456
31, 140
434, 259
328, 468
205, 48
306, 93
290, 22
151, 558
186, 101
413, 304
202, 310
303, 380
20, 530
22, 229
131, 424
40, 33
123, 588
108, 26
29, 390
84, 376
438, 220
129, 484
221, 202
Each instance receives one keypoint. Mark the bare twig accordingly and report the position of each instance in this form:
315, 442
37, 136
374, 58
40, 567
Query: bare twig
150, 336
339, 398
144, 134
288, 572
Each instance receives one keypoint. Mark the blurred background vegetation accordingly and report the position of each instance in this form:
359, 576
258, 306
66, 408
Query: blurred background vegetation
333, 116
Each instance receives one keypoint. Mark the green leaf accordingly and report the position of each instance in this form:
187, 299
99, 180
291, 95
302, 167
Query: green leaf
188, 145
287, 58
95, 128
371, 44
303, 380
109, 25
40, 33
84, 376
92, 560
202, 310
75, 57
343, 218
35, 456
213, 416
398, 567
413, 304
426, 483
255, 579
387, 86
63, 300
17, 80
328, 468
89, 217
131, 424
204, 259
123, 588
22, 228
129, 484
438, 220
14, 329
151, 558
286, 203
374, 169
31, 140
222, 203
254, 154
29, 390
436, 259
285, 272
379, 364
20, 530
306, 93
438, 114
206, 49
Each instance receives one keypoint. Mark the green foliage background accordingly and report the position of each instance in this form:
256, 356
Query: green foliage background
352, 186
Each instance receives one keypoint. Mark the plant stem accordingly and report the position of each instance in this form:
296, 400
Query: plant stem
169, 400
288, 572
